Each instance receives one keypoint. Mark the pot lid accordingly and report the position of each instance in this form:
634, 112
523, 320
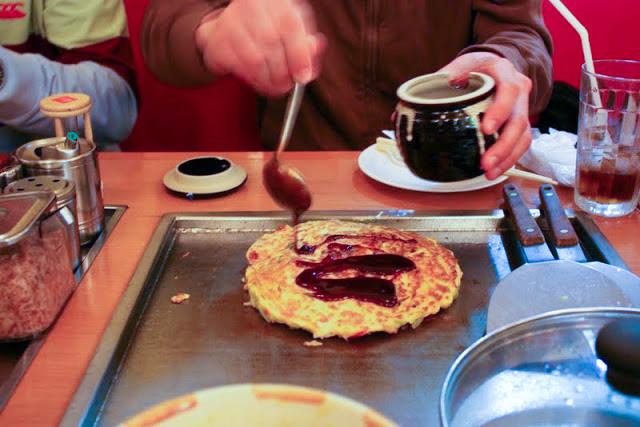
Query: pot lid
52, 152
576, 367
20, 212
63, 189
435, 89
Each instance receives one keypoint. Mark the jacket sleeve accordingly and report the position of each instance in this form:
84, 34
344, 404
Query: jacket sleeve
168, 40
514, 29
29, 77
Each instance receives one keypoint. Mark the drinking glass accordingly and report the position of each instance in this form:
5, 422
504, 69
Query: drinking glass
608, 163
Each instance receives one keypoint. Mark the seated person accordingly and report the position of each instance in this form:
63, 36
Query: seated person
48, 47
371, 48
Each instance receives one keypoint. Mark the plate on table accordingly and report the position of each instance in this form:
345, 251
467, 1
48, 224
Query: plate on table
268, 405
383, 162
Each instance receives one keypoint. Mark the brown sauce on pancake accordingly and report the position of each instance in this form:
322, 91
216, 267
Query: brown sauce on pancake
370, 285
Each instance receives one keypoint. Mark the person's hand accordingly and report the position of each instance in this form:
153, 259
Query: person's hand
268, 44
510, 108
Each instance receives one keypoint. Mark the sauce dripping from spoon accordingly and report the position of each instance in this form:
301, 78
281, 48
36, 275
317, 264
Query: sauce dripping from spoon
287, 187
285, 184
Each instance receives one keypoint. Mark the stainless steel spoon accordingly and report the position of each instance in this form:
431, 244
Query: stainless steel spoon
285, 184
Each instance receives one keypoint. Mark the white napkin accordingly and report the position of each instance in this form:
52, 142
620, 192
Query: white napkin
552, 154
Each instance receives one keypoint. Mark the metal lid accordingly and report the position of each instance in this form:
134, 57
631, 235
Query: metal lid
64, 190
545, 370
19, 213
50, 153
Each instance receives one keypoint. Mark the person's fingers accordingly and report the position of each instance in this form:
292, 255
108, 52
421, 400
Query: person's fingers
501, 108
295, 39
459, 69
267, 39
512, 132
518, 150
517, 124
307, 16
280, 79
509, 108
221, 61
510, 86
251, 65
299, 57
268, 45
319, 46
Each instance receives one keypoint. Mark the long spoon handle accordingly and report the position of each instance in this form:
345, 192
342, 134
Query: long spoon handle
290, 116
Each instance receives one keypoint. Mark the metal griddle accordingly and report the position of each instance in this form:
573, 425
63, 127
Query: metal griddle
154, 350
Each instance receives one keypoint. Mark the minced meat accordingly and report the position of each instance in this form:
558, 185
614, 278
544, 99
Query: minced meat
35, 281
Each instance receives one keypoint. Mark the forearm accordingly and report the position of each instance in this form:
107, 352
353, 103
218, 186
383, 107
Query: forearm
515, 30
169, 40
29, 78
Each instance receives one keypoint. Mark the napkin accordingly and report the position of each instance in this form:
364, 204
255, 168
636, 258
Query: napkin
552, 154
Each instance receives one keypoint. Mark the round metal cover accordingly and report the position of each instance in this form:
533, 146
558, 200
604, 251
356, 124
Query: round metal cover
63, 189
20, 212
543, 371
44, 153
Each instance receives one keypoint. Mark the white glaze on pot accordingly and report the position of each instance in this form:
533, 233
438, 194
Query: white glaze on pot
410, 114
474, 111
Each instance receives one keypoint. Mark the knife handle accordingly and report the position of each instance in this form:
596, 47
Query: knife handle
561, 229
528, 231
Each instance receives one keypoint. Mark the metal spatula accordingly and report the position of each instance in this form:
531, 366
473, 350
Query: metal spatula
550, 285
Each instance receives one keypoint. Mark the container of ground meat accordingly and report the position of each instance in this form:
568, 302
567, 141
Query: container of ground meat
36, 277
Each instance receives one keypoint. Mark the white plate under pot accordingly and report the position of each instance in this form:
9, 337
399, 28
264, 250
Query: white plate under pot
386, 166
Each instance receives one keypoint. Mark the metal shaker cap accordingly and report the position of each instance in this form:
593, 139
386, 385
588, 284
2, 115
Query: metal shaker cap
49, 153
20, 212
64, 190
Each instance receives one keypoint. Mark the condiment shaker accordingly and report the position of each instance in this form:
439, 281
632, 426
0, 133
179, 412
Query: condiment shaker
70, 157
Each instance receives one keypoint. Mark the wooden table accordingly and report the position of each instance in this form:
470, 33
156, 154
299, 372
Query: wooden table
135, 180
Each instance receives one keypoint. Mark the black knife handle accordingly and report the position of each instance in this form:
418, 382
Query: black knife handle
528, 231
561, 229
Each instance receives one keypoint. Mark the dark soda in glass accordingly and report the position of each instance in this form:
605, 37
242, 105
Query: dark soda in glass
607, 187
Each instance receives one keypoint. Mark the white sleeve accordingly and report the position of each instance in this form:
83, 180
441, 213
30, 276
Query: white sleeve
30, 77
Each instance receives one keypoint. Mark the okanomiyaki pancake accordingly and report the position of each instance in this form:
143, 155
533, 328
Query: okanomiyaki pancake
349, 279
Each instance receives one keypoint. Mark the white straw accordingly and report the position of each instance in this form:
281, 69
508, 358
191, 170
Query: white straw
586, 46
580, 29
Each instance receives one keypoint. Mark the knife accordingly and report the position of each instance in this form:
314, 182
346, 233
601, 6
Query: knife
566, 244
531, 238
